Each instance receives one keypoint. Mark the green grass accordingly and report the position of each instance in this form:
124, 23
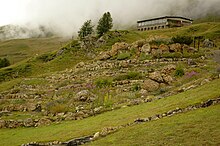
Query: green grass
200, 127
71, 129
9, 85
21, 49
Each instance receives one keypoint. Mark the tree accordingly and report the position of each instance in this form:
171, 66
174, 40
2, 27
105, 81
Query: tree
104, 24
85, 30
4, 62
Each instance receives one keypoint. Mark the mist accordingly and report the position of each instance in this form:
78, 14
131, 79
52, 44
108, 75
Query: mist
65, 17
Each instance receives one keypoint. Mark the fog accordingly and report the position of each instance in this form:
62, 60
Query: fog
65, 17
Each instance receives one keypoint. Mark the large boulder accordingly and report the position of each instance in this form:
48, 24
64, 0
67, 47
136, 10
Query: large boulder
155, 51
43, 121
146, 48
117, 47
85, 96
156, 76
150, 85
167, 79
80, 65
168, 69
208, 44
28, 122
164, 48
186, 48
2, 124
175, 47
104, 56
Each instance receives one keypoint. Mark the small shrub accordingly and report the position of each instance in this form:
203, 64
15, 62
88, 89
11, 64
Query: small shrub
4, 62
123, 56
182, 40
191, 74
136, 87
158, 42
57, 106
101, 83
47, 57
179, 71
144, 56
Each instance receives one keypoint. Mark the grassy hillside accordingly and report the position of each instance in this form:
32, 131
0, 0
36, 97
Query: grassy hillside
79, 94
194, 128
67, 130
20, 49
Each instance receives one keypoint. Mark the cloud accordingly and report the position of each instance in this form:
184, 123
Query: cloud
65, 17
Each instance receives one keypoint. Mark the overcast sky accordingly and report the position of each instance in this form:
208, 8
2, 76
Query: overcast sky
66, 16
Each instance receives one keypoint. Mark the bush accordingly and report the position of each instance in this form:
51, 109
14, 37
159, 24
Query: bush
179, 71
47, 57
124, 56
158, 42
182, 40
4, 62
144, 56
101, 83
57, 106
136, 87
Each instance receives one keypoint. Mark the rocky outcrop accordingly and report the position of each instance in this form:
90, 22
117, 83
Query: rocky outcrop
156, 76
146, 48
208, 44
118, 47
85, 96
175, 48
164, 48
150, 85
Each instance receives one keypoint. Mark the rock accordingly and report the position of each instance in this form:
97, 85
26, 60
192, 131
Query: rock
188, 49
28, 122
43, 121
191, 62
118, 46
208, 44
2, 124
175, 47
150, 85
96, 136
139, 43
156, 76
80, 65
85, 95
164, 48
107, 130
168, 69
192, 49
98, 109
143, 92
12, 124
146, 48
104, 56
205, 81
167, 79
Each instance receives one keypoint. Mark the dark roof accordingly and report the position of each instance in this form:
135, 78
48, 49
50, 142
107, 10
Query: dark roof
164, 17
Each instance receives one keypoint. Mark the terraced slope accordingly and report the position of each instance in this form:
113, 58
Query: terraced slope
72, 129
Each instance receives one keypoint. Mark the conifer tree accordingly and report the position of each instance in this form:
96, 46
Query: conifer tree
85, 30
105, 24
